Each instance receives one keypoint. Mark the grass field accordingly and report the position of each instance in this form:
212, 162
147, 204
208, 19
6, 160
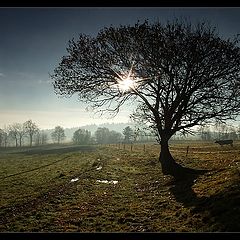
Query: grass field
116, 188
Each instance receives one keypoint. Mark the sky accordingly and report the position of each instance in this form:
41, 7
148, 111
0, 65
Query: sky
33, 41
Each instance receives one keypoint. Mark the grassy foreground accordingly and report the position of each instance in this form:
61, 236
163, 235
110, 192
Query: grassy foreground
118, 189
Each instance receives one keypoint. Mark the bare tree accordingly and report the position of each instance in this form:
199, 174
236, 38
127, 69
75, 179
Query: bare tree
37, 138
58, 134
205, 132
3, 137
44, 137
21, 133
81, 136
217, 127
180, 74
114, 137
16, 131
128, 134
102, 135
31, 129
41, 138
238, 131
232, 133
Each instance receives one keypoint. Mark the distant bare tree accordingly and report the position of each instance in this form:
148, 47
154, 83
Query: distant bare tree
21, 133
238, 131
37, 138
31, 128
81, 136
17, 132
58, 134
217, 128
102, 135
205, 132
114, 137
232, 133
128, 134
41, 137
44, 137
3, 138
180, 74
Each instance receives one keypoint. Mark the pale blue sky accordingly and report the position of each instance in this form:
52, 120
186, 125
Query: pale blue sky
33, 40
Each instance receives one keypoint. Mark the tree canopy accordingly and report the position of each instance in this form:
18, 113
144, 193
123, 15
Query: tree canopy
81, 136
128, 134
58, 134
31, 128
179, 74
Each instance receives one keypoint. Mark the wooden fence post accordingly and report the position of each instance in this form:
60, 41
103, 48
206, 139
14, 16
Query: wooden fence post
187, 151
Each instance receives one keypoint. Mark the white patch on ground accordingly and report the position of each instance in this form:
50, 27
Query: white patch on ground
114, 182
74, 179
106, 181
99, 168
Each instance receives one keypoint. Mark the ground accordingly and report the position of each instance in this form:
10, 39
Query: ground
117, 188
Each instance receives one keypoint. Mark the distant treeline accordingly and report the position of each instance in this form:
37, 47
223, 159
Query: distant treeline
29, 134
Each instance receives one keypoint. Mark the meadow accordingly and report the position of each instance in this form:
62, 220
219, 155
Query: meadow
119, 188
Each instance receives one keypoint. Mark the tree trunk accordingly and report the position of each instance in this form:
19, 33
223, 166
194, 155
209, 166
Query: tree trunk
169, 166
30, 140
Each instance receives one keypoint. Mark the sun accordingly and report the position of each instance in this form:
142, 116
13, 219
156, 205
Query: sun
127, 81
126, 84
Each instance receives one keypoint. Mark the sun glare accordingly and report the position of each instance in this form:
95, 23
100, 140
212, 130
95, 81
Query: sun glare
126, 84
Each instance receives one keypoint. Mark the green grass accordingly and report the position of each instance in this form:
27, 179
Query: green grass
37, 194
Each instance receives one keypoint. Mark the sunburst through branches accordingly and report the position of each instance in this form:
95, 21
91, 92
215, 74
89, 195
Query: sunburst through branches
127, 82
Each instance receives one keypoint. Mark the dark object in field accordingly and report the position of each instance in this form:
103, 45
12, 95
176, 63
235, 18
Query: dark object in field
224, 142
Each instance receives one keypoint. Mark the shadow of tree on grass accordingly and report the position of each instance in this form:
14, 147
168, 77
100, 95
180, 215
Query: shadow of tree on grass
221, 211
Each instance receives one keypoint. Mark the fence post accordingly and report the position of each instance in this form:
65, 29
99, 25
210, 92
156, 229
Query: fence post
187, 151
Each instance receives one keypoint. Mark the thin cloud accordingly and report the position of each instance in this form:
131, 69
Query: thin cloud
2, 75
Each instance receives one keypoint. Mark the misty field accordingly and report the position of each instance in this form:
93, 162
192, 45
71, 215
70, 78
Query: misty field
118, 188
